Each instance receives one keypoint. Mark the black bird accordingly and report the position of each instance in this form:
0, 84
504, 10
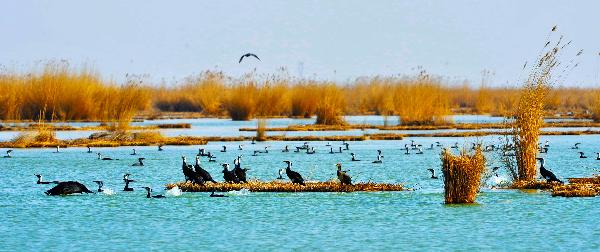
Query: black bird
430, 148
311, 150
420, 151
379, 156
239, 172
57, 149
281, 173
100, 185
347, 146
189, 173
432, 173
344, 178
148, 190
582, 155
224, 149
286, 149
406, 152
495, 169
127, 181
240, 147
104, 158
354, 157
160, 148
68, 187
89, 150
228, 175
8, 154
41, 181
212, 194
548, 175
201, 172
140, 162
248, 55
331, 150
295, 177
133, 153
597, 155
576, 146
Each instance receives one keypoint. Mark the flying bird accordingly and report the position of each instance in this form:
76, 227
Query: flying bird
248, 55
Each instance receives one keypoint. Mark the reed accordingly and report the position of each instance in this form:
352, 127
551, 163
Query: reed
261, 126
462, 176
330, 106
277, 186
421, 101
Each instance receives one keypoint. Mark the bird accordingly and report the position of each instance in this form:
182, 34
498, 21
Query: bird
140, 162
248, 55
240, 147
41, 181
201, 172
331, 150
455, 146
495, 169
237, 169
406, 151
432, 173
354, 157
57, 149
430, 148
576, 146
582, 155
224, 149
295, 177
379, 156
311, 150
548, 175
104, 158
344, 178
8, 154
286, 149
133, 153
127, 181
228, 175
212, 194
189, 173
420, 151
160, 148
100, 185
201, 153
89, 149
597, 155
148, 195
68, 187
347, 146
281, 173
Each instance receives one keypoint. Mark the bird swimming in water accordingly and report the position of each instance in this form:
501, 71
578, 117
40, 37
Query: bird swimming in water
379, 156
455, 146
248, 55
431, 147
104, 158
419, 151
8, 154
347, 146
127, 181
140, 162
89, 149
281, 173
406, 151
253, 141
548, 175
201, 172
354, 157
240, 147
344, 178
340, 150
40, 180
311, 150
214, 195
160, 148
432, 173
239, 172
68, 187
211, 158
331, 150
133, 153
438, 144
57, 149
286, 149
295, 177
224, 149
229, 176
582, 155
576, 146
100, 185
597, 155
148, 195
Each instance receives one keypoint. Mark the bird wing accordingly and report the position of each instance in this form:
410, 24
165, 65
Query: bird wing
254, 55
241, 58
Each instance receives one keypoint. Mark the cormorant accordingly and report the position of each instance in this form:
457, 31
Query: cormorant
406, 152
281, 173
41, 181
228, 175
100, 185
420, 151
248, 55
311, 150
133, 153
148, 190
8, 154
331, 150
240, 147
239, 172
576, 146
160, 148
354, 157
344, 178
582, 155
432, 173
340, 150
597, 155
438, 144
201, 172
347, 146
140, 162
57, 149
224, 149
68, 187
189, 173
211, 158
89, 149
548, 175
295, 177
286, 149
212, 194
253, 141
104, 158
127, 181
431, 147
455, 146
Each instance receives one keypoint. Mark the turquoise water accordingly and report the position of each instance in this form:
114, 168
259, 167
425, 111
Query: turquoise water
382, 221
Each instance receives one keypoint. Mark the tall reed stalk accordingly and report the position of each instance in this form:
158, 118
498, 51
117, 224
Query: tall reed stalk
462, 176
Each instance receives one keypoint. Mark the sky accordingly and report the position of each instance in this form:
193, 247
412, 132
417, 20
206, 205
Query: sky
330, 40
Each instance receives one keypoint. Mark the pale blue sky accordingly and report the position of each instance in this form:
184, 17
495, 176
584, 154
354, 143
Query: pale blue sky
332, 39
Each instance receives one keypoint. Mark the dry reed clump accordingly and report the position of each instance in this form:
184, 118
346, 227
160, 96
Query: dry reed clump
462, 176
330, 106
276, 186
422, 101
576, 190
304, 99
596, 107
174, 126
533, 185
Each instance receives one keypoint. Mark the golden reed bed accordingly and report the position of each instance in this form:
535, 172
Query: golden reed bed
280, 186
577, 187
